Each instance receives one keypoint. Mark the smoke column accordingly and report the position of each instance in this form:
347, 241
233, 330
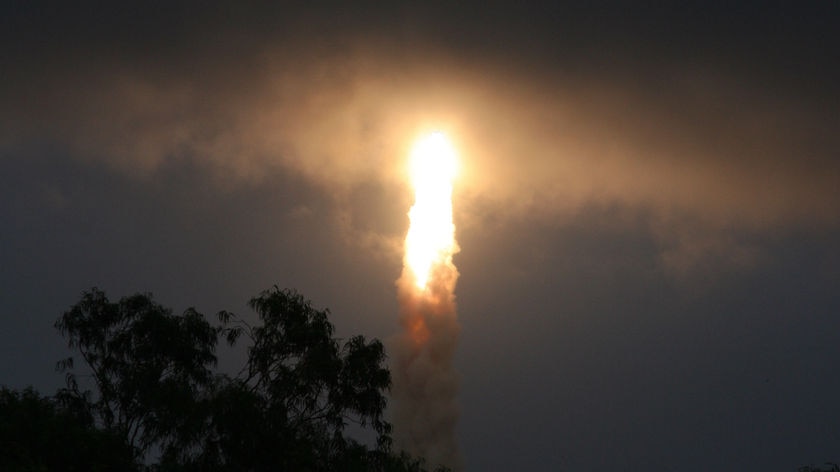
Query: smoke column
425, 382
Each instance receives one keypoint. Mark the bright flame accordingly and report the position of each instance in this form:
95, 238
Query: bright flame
431, 233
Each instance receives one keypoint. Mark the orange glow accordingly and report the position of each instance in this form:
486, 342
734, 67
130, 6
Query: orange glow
431, 235
419, 331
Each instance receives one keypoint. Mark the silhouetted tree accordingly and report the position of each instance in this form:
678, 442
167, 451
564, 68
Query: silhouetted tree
299, 389
286, 410
149, 367
43, 434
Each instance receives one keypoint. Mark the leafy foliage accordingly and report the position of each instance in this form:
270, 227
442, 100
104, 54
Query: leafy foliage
149, 367
296, 364
286, 410
298, 391
39, 433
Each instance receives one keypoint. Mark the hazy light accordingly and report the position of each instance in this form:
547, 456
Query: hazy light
431, 234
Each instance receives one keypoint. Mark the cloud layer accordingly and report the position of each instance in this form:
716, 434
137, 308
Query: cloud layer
697, 142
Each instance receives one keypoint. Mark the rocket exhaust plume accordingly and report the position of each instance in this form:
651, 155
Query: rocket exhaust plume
425, 383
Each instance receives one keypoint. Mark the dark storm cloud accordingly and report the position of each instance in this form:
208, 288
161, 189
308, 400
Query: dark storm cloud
725, 113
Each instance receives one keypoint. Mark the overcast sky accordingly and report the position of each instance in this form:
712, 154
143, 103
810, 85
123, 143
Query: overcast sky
648, 206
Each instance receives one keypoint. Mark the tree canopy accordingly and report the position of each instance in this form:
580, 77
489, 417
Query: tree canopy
42, 434
150, 368
150, 381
